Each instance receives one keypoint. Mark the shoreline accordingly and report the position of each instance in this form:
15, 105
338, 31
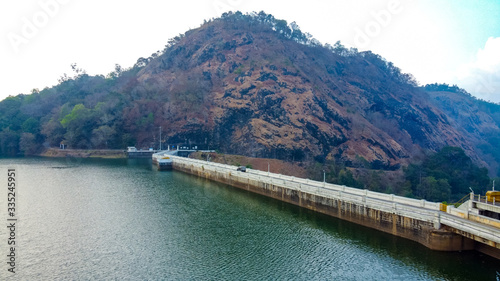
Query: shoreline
417, 220
84, 153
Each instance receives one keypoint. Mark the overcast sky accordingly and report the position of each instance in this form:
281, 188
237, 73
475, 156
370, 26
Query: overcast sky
454, 42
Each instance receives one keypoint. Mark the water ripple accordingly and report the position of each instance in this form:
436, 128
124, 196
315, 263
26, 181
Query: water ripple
122, 220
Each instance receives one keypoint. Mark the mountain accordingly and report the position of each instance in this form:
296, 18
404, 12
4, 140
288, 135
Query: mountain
256, 86
476, 120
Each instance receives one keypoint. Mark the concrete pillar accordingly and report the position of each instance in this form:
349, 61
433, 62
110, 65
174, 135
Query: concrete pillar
471, 202
437, 220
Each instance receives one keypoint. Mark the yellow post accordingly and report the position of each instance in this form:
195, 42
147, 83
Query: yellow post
492, 196
442, 207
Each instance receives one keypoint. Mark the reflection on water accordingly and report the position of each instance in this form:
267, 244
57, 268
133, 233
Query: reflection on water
121, 219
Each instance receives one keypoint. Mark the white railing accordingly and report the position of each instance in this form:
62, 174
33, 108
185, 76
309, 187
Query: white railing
477, 229
418, 209
412, 208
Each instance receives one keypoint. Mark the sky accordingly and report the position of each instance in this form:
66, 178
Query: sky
453, 42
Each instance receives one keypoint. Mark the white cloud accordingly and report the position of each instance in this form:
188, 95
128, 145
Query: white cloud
482, 77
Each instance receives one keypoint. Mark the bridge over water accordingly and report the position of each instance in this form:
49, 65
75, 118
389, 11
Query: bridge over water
434, 225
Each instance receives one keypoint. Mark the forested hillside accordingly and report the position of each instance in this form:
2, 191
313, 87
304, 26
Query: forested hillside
478, 121
258, 86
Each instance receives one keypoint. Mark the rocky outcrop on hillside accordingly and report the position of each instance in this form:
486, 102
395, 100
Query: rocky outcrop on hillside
256, 86
245, 87
476, 120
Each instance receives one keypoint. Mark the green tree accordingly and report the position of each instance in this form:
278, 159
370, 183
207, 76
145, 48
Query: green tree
79, 125
102, 136
340, 49
31, 125
346, 178
450, 168
9, 142
28, 144
433, 190
282, 27
53, 132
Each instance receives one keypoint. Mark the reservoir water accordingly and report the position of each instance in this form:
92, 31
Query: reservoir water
87, 219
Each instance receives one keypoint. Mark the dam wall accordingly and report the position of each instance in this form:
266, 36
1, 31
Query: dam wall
417, 220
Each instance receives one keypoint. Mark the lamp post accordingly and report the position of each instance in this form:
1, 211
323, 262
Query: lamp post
268, 168
160, 138
324, 177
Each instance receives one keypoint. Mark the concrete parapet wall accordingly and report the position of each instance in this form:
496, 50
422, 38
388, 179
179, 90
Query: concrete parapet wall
457, 212
417, 220
485, 220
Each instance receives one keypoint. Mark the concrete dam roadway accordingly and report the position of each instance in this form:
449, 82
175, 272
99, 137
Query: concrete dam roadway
436, 226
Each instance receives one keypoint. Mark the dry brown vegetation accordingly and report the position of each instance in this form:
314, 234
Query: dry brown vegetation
275, 166
256, 86
83, 153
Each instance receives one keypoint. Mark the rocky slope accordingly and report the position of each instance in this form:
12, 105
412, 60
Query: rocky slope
246, 87
256, 86
476, 120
